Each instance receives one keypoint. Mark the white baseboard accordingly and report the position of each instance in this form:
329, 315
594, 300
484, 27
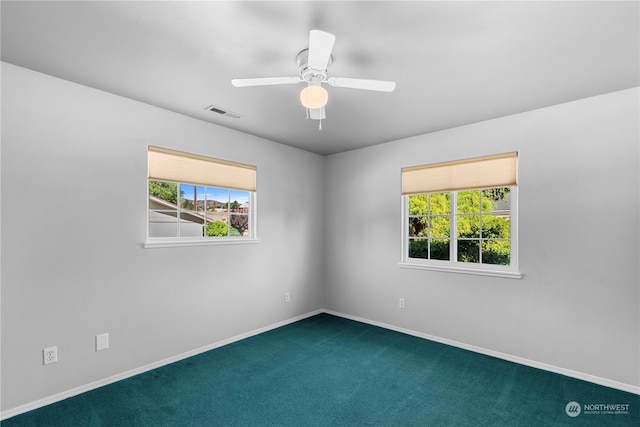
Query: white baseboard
118, 377
522, 361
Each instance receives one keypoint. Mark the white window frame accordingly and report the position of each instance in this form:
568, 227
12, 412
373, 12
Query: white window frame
181, 168
169, 242
509, 271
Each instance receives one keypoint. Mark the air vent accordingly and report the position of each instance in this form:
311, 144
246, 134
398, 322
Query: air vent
222, 111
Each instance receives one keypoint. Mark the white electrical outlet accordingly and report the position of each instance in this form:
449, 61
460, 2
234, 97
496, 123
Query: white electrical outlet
49, 355
401, 303
287, 297
102, 342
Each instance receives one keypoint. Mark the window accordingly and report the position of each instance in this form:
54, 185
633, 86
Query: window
462, 216
194, 199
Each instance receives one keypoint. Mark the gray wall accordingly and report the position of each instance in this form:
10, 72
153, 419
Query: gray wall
577, 307
74, 158
74, 199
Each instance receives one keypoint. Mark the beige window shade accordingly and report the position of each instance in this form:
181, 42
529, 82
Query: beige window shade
177, 166
480, 172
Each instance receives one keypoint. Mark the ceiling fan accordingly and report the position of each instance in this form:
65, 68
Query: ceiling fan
312, 68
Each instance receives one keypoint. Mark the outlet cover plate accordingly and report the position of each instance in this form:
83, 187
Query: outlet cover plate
49, 355
102, 342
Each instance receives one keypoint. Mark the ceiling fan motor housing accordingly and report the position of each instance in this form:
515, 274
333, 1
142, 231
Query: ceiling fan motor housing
307, 74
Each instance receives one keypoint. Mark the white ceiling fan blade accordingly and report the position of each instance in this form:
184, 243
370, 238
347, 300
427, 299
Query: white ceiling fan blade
317, 114
266, 81
379, 85
320, 47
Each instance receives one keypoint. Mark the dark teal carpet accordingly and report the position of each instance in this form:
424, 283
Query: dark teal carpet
329, 371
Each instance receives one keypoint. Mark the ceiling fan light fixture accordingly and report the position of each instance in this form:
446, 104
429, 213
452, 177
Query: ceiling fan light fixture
314, 97
312, 68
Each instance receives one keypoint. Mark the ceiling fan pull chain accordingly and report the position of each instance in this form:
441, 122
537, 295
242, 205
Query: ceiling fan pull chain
320, 124
307, 117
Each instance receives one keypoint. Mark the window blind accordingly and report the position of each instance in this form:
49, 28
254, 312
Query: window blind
481, 172
178, 166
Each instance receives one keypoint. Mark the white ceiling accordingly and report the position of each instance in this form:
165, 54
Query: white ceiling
455, 63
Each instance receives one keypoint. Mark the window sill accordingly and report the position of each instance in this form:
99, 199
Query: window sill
201, 242
462, 270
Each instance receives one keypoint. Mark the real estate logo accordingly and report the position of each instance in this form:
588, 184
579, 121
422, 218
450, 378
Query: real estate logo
572, 409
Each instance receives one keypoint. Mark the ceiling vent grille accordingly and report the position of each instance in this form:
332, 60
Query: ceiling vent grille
222, 111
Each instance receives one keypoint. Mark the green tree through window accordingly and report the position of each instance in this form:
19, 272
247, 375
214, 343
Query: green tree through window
477, 222
167, 191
